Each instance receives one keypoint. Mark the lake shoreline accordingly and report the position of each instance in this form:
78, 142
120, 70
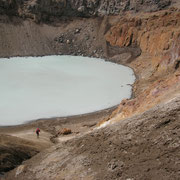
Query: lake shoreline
75, 112
79, 124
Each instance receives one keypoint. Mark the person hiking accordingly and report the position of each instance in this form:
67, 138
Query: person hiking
37, 132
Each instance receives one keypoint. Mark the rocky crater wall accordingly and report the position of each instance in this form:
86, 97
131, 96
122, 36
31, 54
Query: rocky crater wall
157, 34
148, 41
157, 68
44, 9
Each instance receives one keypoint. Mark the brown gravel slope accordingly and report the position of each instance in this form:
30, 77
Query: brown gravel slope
19, 143
142, 147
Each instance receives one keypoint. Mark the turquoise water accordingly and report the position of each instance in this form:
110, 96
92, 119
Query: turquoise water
55, 86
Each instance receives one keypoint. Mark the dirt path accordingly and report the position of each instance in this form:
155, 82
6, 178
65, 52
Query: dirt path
17, 146
19, 143
30, 135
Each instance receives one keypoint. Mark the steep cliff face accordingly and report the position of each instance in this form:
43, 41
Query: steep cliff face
158, 67
42, 10
157, 34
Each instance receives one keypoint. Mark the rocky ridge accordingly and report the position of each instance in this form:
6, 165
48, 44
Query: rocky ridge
42, 10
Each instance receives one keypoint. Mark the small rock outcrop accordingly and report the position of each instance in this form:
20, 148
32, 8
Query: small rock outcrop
13, 151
